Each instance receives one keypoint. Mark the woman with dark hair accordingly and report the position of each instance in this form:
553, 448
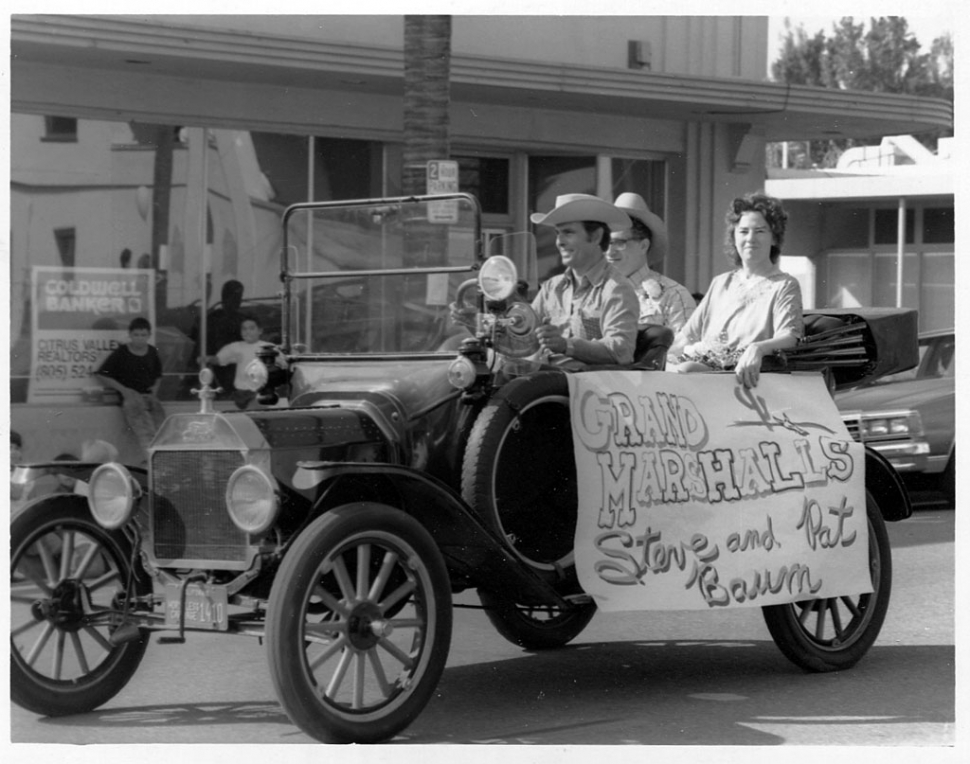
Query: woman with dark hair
751, 311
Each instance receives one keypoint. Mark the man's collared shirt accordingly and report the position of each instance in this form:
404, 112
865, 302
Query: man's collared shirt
662, 300
596, 313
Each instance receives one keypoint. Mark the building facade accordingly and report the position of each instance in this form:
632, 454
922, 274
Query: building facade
173, 143
878, 230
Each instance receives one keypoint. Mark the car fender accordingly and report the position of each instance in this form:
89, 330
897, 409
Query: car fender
475, 556
46, 504
28, 474
886, 486
48, 500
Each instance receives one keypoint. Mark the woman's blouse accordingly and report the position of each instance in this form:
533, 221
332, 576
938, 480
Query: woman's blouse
738, 310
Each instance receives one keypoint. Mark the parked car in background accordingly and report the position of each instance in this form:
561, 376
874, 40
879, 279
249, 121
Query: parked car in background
909, 417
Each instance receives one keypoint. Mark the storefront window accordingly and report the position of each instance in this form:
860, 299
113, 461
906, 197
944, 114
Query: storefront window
937, 295
845, 227
345, 168
486, 178
342, 168
884, 271
124, 224
887, 226
283, 162
552, 176
185, 207
938, 225
549, 177
641, 176
849, 281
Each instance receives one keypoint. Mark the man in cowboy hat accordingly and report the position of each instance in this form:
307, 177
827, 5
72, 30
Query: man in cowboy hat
589, 313
635, 252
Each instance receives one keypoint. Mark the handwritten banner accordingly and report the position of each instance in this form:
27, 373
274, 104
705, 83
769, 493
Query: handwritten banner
79, 316
695, 493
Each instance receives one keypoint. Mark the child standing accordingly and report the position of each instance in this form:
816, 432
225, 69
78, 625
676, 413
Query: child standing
135, 371
242, 353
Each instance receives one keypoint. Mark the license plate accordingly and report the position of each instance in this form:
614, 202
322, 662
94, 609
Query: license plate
206, 607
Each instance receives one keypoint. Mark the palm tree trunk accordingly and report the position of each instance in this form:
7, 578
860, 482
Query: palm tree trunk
427, 97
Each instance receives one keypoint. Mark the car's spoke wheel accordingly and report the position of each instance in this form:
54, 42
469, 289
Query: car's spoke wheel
835, 633
359, 624
536, 627
67, 581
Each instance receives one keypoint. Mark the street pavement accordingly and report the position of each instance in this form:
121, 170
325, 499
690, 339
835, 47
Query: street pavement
678, 679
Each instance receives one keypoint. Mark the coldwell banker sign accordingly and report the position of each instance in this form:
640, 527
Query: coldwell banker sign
79, 316
695, 493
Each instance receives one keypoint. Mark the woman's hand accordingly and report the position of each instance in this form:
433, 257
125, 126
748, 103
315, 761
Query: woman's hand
748, 368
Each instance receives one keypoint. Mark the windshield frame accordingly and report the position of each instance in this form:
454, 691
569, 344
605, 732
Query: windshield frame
291, 276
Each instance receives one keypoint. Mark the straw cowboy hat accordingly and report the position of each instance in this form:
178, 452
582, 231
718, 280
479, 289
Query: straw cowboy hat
575, 208
634, 206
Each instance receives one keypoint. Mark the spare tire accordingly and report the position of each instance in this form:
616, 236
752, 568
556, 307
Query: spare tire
519, 472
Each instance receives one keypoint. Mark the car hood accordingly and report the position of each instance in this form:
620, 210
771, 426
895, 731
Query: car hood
910, 394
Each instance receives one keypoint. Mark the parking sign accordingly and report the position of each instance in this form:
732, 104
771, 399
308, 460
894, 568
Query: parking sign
443, 179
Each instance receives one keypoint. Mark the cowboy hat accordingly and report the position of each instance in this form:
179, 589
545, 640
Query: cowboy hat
634, 206
575, 208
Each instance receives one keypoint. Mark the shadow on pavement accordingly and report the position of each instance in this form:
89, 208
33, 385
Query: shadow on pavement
668, 693
702, 692
639, 693
177, 715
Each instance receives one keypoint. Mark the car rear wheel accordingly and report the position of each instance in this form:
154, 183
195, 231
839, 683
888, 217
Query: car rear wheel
834, 634
358, 626
68, 577
536, 627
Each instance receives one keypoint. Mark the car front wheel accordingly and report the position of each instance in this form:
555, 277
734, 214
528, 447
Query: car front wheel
358, 626
68, 578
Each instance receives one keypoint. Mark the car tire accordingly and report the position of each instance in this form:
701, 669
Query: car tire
61, 658
948, 480
358, 625
834, 634
535, 627
519, 470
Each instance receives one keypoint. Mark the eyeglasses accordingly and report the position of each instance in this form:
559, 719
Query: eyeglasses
620, 244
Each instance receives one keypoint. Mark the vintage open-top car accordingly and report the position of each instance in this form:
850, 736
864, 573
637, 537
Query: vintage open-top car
413, 458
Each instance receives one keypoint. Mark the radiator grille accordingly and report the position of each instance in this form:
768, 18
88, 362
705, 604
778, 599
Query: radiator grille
189, 517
